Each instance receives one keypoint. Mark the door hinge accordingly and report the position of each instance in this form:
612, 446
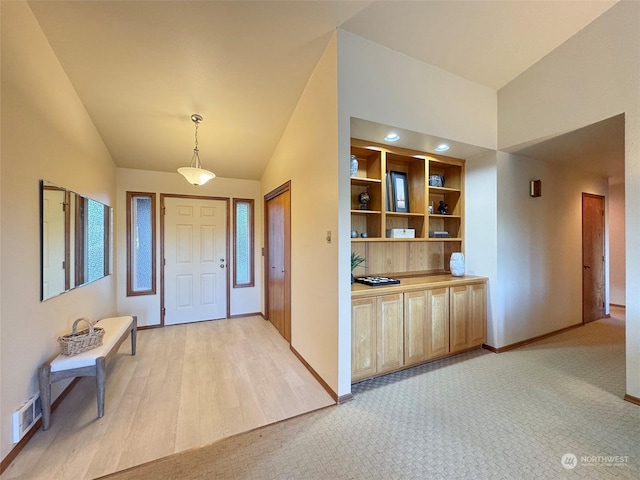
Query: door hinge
163, 311
164, 210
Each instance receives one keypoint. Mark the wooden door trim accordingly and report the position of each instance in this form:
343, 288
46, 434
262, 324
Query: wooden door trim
285, 187
602, 198
162, 209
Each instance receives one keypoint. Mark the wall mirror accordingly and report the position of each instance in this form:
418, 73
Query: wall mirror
75, 240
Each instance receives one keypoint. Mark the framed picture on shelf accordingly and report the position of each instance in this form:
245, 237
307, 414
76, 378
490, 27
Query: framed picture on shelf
400, 192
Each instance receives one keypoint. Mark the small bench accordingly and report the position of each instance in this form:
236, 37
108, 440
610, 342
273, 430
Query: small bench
91, 363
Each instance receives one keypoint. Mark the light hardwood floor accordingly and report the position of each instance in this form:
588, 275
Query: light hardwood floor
187, 386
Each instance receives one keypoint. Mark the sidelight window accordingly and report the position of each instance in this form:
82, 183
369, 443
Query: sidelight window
243, 242
141, 251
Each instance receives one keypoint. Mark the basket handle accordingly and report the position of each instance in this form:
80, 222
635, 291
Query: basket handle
74, 329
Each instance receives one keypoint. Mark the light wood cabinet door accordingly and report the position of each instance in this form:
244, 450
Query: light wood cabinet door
426, 325
468, 316
390, 329
415, 327
364, 319
477, 314
437, 322
459, 318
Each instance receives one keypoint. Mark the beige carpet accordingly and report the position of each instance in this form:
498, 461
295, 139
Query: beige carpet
478, 415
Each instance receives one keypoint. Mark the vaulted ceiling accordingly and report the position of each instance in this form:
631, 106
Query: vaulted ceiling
141, 68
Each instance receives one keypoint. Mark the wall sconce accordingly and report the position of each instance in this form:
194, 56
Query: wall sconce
535, 188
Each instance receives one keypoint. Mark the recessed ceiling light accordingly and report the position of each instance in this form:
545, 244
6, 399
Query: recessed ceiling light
443, 147
392, 137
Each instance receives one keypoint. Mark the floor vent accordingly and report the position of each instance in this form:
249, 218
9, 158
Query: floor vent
26, 417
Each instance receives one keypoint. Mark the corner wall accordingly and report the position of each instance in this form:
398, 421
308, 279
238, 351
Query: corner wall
591, 77
307, 155
46, 134
383, 86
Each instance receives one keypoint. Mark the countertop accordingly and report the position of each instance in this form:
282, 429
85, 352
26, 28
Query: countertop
415, 283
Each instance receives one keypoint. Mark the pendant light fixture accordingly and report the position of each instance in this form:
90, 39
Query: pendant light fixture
194, 173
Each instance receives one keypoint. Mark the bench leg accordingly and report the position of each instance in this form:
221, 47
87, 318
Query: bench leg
134, 333
100, 381
44, 379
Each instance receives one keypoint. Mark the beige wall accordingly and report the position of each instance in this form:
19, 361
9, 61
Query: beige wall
307, 155
481, 230
46, 134
540, 247
147, 307
617, 258
383, 86
591, 77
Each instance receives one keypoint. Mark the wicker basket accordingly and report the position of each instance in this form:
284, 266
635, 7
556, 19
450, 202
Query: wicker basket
78, 342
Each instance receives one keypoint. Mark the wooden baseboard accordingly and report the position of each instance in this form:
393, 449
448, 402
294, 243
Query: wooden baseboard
6, 461
522, 343
616, 305
149, 327
345, 398
632, 399
324, 384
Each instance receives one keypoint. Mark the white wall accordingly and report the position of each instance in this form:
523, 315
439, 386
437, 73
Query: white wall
46, 134
244, 300
307, 155
384, 86
617, 262
591, 77
540, 247
481, 231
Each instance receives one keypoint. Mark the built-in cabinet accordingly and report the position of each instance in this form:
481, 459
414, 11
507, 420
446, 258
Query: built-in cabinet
436, 234
405, 325
468, 316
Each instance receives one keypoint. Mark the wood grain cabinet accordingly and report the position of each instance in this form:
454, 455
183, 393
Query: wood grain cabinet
426, 325
377, 342
413, 325
364, 321
468, 316
389, 330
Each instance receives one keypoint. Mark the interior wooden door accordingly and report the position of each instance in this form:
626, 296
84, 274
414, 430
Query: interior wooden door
593, 284
278, 249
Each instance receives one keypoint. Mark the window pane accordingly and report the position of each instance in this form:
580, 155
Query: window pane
243, 243
141, 264
142, 244
95, 241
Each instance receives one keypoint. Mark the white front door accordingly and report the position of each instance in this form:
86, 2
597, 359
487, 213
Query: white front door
195, 251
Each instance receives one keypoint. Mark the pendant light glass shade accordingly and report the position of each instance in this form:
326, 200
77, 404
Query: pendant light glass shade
194, 173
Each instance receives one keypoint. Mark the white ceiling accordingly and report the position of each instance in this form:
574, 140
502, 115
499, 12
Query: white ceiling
596, 148
142, 68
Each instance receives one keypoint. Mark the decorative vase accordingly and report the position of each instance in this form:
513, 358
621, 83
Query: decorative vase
354, 165
456, 264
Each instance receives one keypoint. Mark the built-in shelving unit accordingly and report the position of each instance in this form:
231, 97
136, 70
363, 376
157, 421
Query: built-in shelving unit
425, 253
